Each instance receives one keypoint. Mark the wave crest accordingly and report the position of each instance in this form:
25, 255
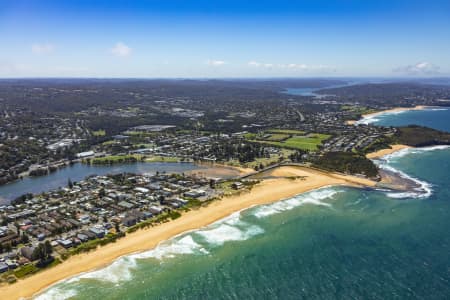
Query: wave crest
313, 197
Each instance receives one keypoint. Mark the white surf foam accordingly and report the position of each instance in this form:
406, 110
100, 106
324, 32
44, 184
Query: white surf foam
56, 293
172, 248
406, 151
376, 117
119, 270
229, 229
313, 197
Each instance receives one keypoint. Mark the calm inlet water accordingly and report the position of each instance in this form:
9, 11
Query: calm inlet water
332, 243
79, 171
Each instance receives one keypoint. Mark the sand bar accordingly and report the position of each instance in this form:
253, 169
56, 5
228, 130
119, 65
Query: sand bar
268, 191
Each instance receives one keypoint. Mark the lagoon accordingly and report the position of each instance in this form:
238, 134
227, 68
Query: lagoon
79, 171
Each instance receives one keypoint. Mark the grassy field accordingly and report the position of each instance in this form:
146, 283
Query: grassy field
310, 142
289, 139
277, 137
266, 161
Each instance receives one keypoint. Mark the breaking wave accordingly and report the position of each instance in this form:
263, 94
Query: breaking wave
406, 151
313, 197
229, 229
423, 189
376, 117
57, 293
171, 248
196, 242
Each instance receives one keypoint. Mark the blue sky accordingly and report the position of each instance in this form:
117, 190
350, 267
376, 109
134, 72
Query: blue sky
326, 38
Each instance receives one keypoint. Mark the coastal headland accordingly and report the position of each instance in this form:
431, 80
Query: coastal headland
283, 182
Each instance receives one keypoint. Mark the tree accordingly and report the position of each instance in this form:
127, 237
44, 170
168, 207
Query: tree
43, 251
48, 248
212, 183
25, 239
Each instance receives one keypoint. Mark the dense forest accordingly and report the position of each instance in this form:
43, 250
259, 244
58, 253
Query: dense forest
418, 136
346, 162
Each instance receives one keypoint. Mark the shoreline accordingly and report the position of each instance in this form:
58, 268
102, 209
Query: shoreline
267, 191
387, 151
391, 110
215, 170
396, 109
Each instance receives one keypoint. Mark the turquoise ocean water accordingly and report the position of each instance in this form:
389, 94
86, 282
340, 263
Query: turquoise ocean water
332, 243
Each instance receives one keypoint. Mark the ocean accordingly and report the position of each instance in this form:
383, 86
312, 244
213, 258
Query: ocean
331, 243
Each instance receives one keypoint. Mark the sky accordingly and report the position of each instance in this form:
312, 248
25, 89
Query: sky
216, 39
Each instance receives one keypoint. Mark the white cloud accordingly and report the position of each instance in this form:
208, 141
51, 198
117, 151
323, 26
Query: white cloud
42, 48
120, 49
216, 63
421, 68
254, 64
290, 66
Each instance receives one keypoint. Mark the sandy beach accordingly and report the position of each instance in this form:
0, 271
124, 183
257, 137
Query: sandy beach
220, 170
267, 191
397, 109
383, 152
392, 110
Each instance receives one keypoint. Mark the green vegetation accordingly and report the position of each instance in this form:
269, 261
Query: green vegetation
163, 159
174, 214
115, 159
134, 133
262, 162
310, 142
289, 138
100, 132
382, 143
92, 245
346, 162
277, 137
26, 270
250, 136
286, 131
356, 111
418, 136
110, 142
